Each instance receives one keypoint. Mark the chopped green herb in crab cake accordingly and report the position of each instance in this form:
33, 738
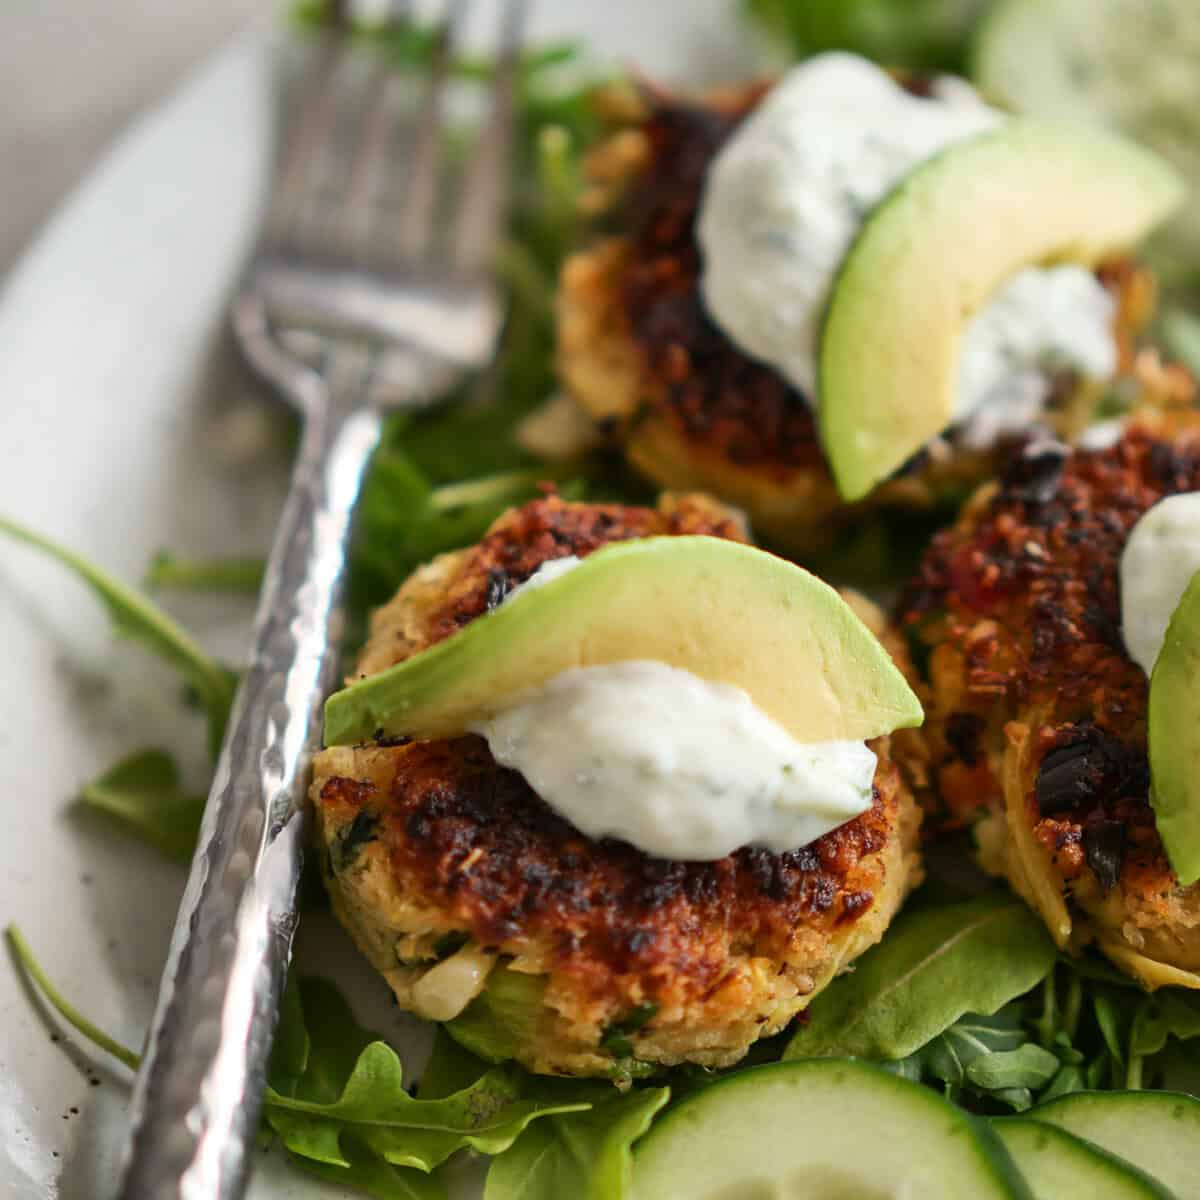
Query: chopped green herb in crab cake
599, 865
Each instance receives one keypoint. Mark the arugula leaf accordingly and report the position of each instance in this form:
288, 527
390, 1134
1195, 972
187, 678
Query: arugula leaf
216, 574
133, 616
934, 966
585, 1154
366, 1172
353, 1086
69, 1013
142, 792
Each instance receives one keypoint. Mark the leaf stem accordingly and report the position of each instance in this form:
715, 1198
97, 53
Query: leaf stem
1072, 1006
1133, 1073
69, 1013
1046, 1024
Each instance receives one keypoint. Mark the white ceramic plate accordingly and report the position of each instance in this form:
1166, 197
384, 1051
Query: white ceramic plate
127, 426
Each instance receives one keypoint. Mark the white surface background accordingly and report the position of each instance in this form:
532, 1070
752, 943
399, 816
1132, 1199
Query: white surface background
128, 426
73, 73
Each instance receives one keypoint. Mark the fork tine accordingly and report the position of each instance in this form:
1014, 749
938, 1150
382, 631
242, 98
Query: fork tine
371, 151
415, 229
311, 128
485, 188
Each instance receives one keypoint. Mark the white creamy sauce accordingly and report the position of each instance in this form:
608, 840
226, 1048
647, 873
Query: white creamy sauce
1103, 435
1043, 320
1158, 562
787, 194
552, 568
678, 766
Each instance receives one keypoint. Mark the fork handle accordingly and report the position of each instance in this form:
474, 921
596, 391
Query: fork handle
199, 1092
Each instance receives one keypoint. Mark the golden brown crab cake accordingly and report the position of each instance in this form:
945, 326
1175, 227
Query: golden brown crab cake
1035, 727
465, 889
639, 353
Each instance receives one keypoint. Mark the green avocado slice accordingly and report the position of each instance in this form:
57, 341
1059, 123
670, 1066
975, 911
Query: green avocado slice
933, 251
1173, 731
727, 612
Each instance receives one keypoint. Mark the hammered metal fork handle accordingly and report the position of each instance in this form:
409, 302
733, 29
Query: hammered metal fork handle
197, 1102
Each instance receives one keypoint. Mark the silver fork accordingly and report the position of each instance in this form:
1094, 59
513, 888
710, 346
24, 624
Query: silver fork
350, 307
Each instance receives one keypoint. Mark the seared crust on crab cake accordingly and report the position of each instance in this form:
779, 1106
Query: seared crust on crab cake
431, 849
639, 353
1035, 714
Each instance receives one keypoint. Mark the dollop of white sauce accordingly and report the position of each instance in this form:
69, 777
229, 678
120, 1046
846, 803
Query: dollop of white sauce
678, 766
787, 194
1160, 557
552, 568
1043, 320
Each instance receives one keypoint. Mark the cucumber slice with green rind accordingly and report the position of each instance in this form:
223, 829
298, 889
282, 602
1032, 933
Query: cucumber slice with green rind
1159, 1132
821, 1129
1060, 1166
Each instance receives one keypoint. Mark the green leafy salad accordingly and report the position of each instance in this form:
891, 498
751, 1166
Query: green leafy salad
963, 1018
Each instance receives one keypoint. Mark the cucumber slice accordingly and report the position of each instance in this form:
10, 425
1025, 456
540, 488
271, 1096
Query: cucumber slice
1159, 1132
1127, 64
1060, 1166
820, 1129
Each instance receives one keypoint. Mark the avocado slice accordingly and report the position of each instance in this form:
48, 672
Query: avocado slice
1173, 731
724, 611
933, 251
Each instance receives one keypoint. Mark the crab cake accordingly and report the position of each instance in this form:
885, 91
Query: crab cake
1036, 714
640, 354
581, 956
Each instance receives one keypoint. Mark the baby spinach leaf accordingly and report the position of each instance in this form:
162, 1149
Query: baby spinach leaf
934, 965
133, 616
1168, 1013
353, 1086
143, 793
992, 1058
211, 575
1027, 1067
950, 1055
587, 1155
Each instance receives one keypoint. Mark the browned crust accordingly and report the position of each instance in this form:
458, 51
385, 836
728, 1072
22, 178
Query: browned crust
525, 538
444, 595
474, 841
428, 838
1029, 685
639, 353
